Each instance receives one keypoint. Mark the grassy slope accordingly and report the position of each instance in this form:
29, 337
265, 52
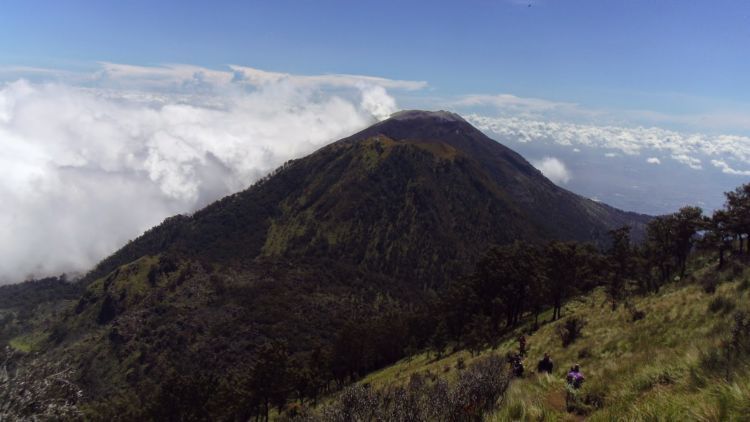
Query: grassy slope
643, 370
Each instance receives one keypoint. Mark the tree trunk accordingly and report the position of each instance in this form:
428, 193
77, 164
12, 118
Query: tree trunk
739, 237
557, 311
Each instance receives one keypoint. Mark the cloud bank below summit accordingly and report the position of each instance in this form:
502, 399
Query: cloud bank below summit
92, 160
689, 149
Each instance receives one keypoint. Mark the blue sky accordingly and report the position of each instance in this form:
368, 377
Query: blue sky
644, 105
667, 56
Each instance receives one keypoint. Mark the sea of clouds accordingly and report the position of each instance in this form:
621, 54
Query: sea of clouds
690, 149
90, 161
640, 168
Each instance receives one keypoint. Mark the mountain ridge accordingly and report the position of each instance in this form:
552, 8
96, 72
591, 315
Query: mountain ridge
412, 161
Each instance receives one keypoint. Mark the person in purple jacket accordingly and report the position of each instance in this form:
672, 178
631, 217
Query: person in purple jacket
575, 378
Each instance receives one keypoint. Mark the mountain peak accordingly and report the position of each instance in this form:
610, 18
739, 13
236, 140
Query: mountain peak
441, 115
427, 126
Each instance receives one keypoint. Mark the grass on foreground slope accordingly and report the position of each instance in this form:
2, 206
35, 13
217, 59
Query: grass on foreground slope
649, 369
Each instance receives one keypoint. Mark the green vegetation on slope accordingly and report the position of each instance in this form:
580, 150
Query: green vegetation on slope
417, 198
658, 367
28, 308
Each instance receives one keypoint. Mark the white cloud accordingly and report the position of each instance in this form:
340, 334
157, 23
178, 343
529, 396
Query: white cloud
84, 169
692, 162
178, 76
716, 117
610, 154
734, 119
262, 77
553, 169
685, 148
725, 168
653, 160
513, 103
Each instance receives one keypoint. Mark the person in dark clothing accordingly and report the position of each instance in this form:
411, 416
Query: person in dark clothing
545, 364
516, 364
522, 345
518, 367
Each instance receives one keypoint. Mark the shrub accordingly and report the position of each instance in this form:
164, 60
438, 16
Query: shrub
740, 340
721, 304
218, 283
570, 330
709, 283
635, 313
356, 403
725, 359
584, 353
478, 389
736, 269
595, 398
107, 312
649, 380
715, 362
475, 393
38, 389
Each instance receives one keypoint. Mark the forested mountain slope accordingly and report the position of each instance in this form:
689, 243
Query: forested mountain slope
417, 197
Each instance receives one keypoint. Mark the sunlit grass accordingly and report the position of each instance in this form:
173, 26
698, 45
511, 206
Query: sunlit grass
647, 369
28, 343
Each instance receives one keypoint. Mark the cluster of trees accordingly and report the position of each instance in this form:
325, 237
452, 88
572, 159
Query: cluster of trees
513, 281
729, 228
21, 303
671, 238
33, 292
521, 279
275, 375
361, 346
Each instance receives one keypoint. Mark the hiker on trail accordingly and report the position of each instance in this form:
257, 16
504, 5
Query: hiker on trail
516, 364
522, 345
574, 381
545, 364
575, 378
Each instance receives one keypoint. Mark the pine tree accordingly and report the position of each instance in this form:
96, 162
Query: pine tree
439, 339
